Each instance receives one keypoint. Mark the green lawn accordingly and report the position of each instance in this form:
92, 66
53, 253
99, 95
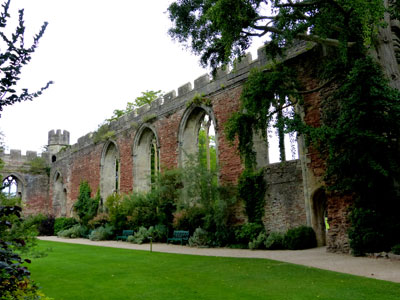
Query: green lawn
88, 272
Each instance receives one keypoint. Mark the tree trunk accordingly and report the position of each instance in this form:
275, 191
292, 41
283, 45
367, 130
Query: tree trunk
386, 47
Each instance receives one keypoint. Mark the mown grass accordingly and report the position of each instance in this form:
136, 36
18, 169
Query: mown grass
76, 272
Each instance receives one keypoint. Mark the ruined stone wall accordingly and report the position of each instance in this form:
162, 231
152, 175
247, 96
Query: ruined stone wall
284, 198
33, 186
290, 197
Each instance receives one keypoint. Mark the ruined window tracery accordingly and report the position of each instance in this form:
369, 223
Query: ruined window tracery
197, 137
10, 187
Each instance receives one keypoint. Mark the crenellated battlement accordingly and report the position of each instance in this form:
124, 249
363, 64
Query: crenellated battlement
58, 137
15, 156
203, 85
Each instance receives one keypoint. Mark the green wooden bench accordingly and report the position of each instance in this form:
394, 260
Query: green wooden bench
179, 235
125, 234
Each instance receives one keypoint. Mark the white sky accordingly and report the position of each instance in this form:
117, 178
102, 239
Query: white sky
100, 56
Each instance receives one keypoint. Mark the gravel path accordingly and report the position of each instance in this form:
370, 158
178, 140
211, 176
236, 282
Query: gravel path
380, 268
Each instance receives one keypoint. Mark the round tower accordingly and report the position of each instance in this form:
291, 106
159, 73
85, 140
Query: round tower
56, 141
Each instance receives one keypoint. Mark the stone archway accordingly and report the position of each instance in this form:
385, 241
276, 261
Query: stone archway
196, 120
319, 215
110, 170
146, 158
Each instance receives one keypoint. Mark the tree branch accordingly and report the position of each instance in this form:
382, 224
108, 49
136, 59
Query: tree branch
303, 36
299, 4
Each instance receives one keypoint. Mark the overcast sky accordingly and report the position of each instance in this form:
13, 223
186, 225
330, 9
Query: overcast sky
100, 54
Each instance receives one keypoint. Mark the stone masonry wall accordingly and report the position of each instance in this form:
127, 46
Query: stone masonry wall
284, 198
291, 186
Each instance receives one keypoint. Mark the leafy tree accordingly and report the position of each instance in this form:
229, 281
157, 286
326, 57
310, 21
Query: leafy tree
220, 30
146, 98
207, 152
13, 56
359, 132
16, 236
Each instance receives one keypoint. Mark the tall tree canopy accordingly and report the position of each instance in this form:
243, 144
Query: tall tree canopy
14, 54
221, 30
360, 125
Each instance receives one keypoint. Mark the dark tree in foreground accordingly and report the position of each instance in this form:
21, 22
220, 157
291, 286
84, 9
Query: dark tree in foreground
13, 56
359, 133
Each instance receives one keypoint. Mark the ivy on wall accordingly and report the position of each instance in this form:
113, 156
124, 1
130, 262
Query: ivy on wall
358, 139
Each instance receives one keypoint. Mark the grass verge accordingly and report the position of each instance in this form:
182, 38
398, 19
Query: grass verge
71, 271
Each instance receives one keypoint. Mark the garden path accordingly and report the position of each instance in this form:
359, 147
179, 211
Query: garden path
378, 268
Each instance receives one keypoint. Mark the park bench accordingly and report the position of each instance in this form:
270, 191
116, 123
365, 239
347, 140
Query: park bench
125, 234
179, 235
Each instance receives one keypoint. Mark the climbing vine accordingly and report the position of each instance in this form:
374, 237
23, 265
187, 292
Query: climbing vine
266, 94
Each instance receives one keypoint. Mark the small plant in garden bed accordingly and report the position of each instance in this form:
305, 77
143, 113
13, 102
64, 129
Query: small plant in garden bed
302, 237
63, 224
101, 233
396, 249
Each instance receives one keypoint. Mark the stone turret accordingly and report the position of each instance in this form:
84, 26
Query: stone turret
57, 140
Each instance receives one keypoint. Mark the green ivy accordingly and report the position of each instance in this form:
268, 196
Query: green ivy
251, 189
358, 140
266, 93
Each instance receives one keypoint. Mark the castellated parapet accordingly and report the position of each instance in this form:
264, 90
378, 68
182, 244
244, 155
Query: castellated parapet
15, 158
58, 138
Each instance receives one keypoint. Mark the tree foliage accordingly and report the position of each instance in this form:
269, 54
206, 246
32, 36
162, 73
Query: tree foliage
220, 30
146, 98
14, 54
86, 207
15, 282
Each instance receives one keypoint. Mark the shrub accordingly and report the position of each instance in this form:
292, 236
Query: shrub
189, 218
86, 207
274, 241
100, 220
199, 238
141, 236
248, 232
302, 237
141, 209
160, 233
44, 224
101, 233
63, 224
366, 233
15, 282
74, 232
396, 249
259, 242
